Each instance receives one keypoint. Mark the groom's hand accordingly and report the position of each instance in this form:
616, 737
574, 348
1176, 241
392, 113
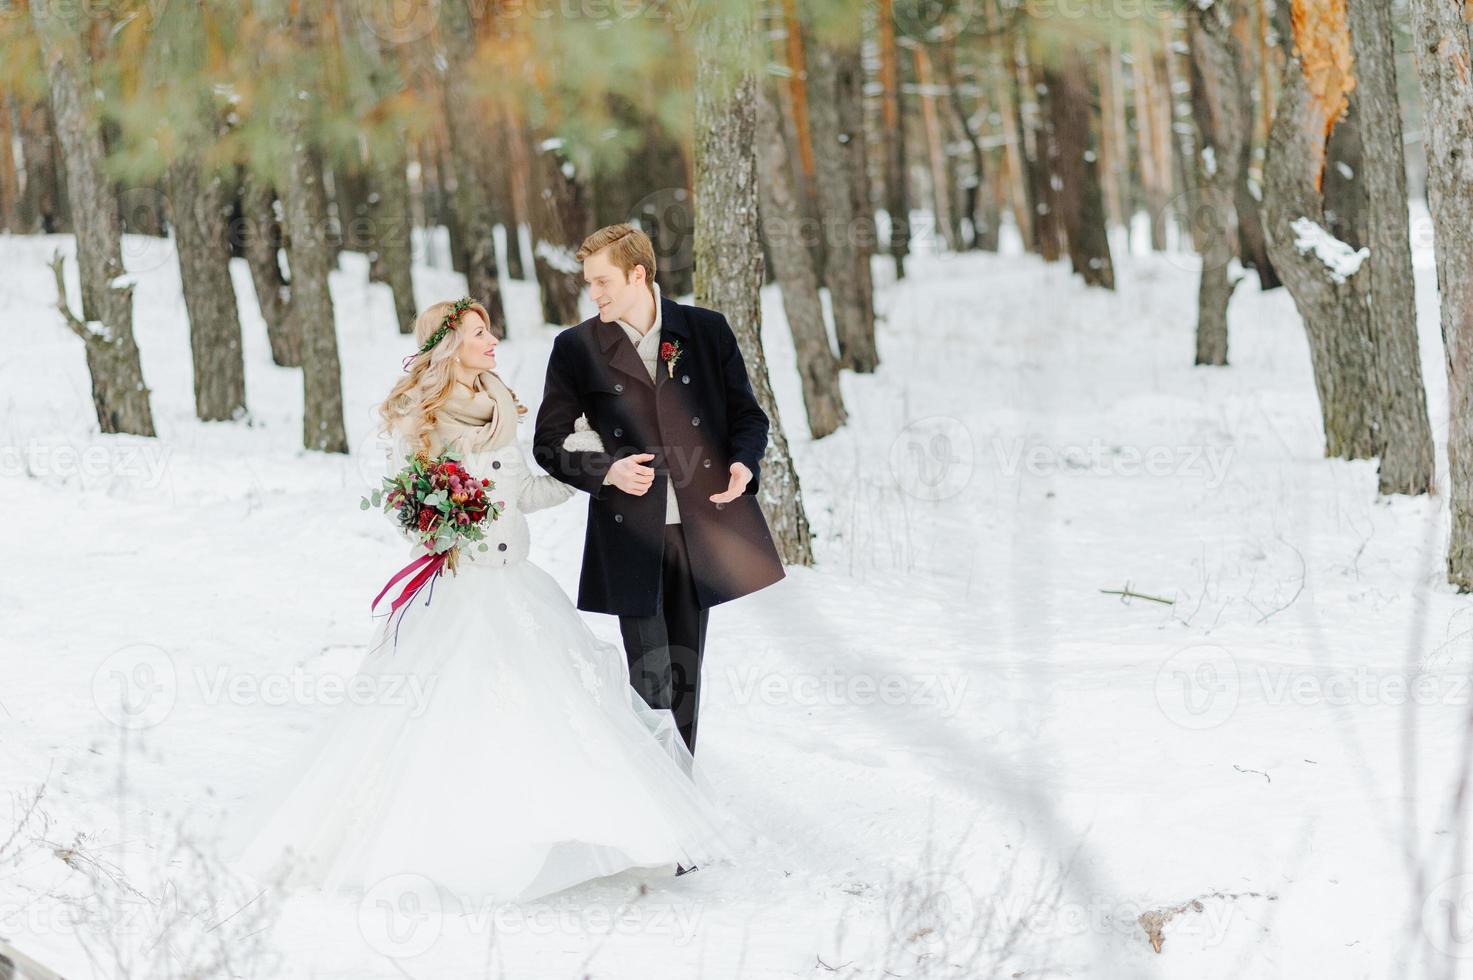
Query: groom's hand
629, 475
740, 477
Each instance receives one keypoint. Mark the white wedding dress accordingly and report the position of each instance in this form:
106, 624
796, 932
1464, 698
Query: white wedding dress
529, 764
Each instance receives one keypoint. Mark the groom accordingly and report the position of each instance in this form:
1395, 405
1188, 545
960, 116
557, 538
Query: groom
673, 522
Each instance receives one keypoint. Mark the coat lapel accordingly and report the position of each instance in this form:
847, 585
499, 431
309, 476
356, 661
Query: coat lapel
673, 327
622, 356
620, 352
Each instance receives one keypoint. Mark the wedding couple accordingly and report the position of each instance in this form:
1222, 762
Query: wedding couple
541, 756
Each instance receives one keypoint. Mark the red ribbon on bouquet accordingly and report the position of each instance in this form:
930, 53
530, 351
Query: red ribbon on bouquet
427, 567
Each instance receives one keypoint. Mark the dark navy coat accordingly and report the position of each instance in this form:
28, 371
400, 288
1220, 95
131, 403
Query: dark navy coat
696, 423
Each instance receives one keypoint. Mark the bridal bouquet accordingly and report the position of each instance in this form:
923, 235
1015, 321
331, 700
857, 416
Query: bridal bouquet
442, 506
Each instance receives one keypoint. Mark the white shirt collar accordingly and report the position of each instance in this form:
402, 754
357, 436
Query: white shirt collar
658, 317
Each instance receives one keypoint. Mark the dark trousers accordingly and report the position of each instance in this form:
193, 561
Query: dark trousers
665, 649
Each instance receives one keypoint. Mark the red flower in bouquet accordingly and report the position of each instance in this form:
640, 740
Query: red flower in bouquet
440, 505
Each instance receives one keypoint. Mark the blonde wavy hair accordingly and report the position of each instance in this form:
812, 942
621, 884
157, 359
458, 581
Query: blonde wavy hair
413, 404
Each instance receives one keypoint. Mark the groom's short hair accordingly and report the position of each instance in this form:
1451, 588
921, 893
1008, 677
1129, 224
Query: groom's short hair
628, 247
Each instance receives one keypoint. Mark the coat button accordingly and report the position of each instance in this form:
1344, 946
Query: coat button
695, 420
618, 433
685, 379
719, 505
706, 463
501, 546
496, 464
618, 518
619, 387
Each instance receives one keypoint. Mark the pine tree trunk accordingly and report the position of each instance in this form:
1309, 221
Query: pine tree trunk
897, 185
561, 219
941, 192
349, 197
1147, 121
310, 255
521, 177
1253, 247
263, 240
1447, 97
470, 151
119, 396
41, 205
391, 221
1013, 158
1342, 188
984, 222
728, 256
1407, 457
845, 266
9, 172
199, 208
793, 263
1331, 303
392, 258
1113, 148
1038, 141
849, 80
1221, 130
1080, 198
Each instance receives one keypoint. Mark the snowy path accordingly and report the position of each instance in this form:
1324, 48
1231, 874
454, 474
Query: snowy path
944, 726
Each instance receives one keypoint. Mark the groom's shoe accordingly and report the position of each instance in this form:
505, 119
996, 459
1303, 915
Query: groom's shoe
681, 869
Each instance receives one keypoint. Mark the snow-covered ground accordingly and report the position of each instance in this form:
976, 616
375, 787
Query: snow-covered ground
970, 759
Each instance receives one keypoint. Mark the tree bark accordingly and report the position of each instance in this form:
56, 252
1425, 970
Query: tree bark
391, 222
1154, 183
199, 209
9, 172
119, 396
942, 197
781, 224
845, 267
1332, 303
311, 258
1041, 153
42, 205
849, 80
897, 187
1221, 130
1447, 95
1080, 198
1012, 134
561, 219
475, 205
728, 257
1407, 457
262, 240
310, 255
983, 219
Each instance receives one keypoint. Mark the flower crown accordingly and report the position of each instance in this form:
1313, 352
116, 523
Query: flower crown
446, 323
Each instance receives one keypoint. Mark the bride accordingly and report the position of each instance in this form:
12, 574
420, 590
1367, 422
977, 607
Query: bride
528, 764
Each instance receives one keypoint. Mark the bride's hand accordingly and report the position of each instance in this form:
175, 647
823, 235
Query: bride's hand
583, 438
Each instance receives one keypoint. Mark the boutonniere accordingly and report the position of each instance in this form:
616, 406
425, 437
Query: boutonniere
670, 351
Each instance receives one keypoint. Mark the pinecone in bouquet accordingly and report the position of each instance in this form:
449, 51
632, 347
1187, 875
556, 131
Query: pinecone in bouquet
583, 439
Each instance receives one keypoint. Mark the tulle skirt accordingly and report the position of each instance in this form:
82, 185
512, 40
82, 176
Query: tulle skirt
494, 747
